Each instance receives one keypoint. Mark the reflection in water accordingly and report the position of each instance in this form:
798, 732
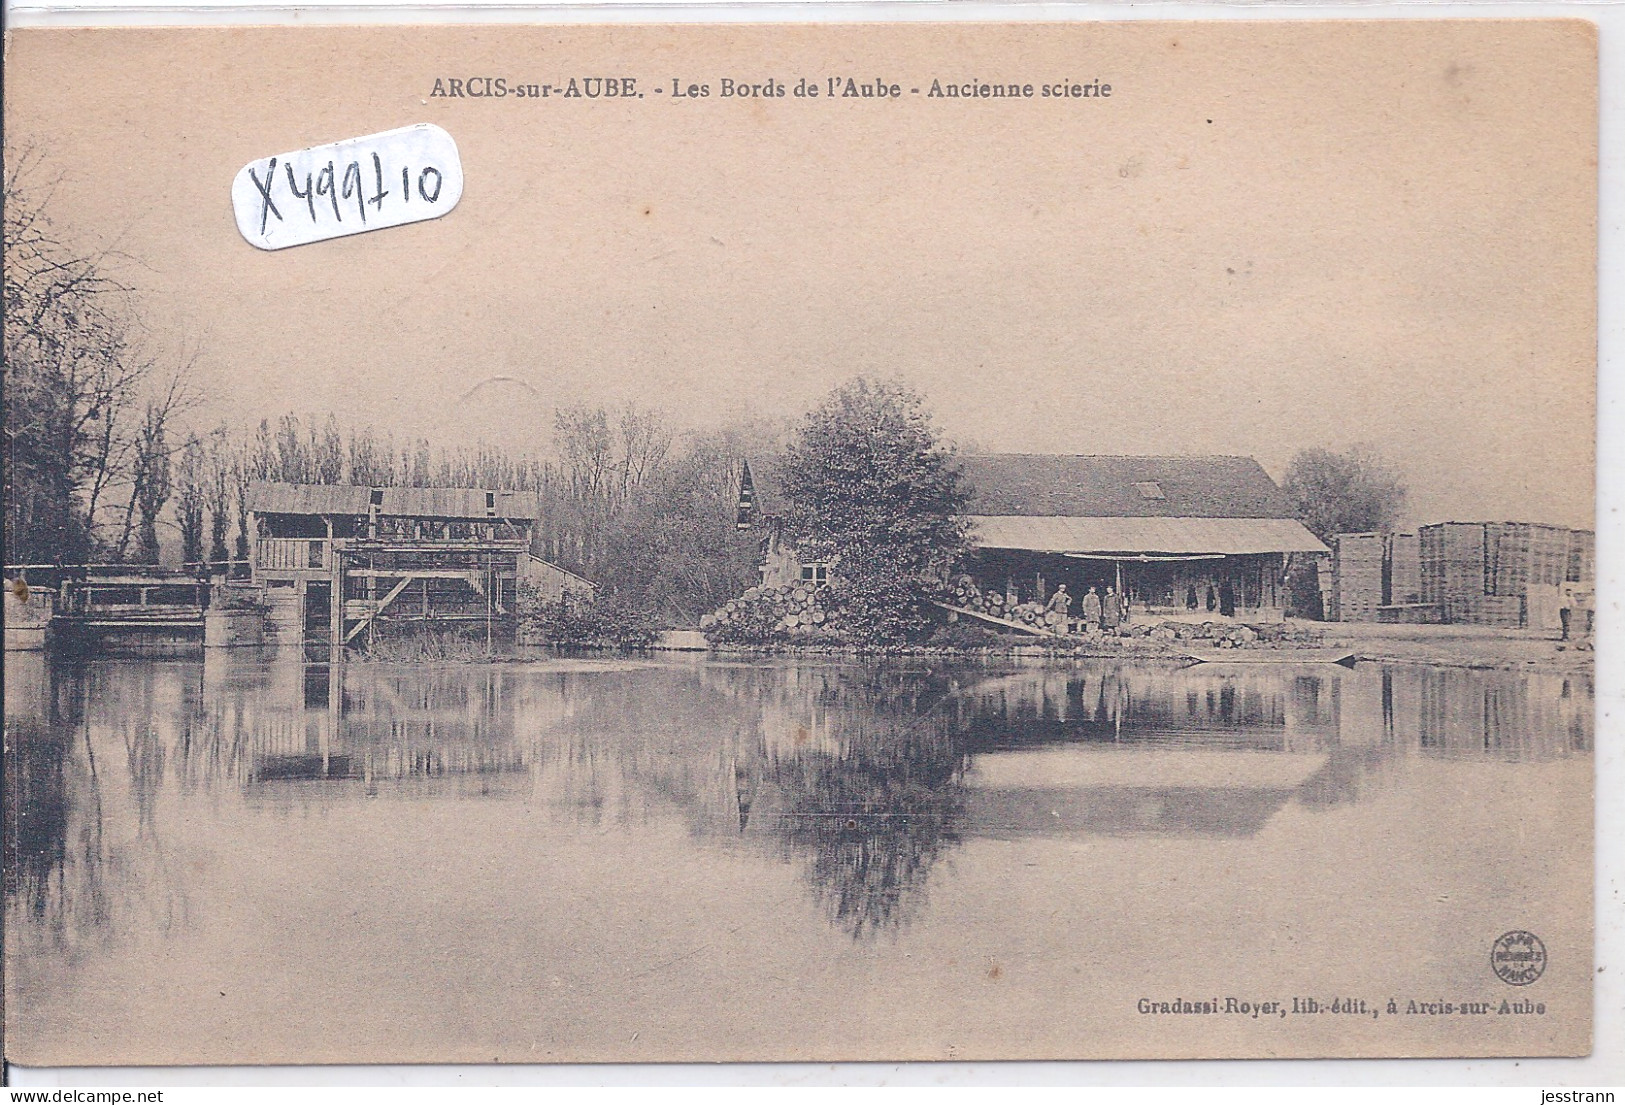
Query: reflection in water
863, 777
860, 777
84, 852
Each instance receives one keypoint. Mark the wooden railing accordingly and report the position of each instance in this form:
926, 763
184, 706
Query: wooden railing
292, 552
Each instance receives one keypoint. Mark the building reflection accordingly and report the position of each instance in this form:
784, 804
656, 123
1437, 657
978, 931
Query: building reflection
863, 778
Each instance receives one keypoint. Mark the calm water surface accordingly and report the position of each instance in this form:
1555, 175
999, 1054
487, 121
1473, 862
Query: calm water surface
244, 859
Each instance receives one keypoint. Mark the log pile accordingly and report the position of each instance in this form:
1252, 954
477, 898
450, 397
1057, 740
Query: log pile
968, 596
763, 612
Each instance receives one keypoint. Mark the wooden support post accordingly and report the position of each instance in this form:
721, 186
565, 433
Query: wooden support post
336, 597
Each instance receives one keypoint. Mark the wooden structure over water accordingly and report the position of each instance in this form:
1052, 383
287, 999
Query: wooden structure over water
329, 565
342, 565
148, 609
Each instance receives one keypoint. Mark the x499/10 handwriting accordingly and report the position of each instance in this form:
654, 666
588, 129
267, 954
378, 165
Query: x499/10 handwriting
381, 180
430, 182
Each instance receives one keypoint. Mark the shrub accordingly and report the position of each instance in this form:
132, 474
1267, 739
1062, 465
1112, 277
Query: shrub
426, 646
611, 622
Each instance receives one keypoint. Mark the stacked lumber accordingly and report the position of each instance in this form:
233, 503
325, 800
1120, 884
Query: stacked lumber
1404, 568
794, 609
1453, 568
1582, 564
1357, 562
1518, 555
1506, 611
1483, 573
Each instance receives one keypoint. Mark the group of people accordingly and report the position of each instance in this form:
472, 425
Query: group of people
1098, 613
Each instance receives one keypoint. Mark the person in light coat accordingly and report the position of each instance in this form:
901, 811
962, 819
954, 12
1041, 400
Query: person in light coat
1091, 611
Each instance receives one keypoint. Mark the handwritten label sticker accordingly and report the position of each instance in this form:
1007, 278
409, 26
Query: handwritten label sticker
350, 187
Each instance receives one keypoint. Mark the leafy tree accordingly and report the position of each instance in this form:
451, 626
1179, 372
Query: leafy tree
1355, 491
871, 486
674, 547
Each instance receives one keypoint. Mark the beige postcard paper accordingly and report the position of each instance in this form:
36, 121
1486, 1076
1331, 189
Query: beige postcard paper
785, 542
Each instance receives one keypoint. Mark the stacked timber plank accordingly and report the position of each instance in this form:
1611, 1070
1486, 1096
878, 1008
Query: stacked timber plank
1453, 574
1518, 555
1582, 567
1357, 565
1490, 573
1404, 569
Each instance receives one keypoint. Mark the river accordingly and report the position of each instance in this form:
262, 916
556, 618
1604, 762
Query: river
248, 858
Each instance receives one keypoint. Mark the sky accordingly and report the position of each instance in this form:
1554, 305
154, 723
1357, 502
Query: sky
1271, 236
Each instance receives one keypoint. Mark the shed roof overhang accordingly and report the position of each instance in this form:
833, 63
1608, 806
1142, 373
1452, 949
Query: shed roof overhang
1132, 538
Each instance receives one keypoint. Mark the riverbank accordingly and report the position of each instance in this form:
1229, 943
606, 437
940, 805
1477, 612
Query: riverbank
1459, 646
1463, 646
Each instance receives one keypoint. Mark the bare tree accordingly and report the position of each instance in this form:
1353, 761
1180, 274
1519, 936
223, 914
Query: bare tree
191, 498
219, 488
152, 463
645, 441
152, 485
72, 406
371, 461
327, 452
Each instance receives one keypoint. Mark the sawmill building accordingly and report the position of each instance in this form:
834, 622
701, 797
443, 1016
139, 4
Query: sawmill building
1188, 536
1203, 537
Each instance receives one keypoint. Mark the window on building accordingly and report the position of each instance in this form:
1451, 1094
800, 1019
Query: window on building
815, 573
1150, 489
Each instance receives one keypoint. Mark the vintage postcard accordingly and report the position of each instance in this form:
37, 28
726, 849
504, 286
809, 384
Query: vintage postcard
799, 542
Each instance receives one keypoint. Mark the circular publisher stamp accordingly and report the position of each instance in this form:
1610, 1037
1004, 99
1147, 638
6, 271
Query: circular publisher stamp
1518, 957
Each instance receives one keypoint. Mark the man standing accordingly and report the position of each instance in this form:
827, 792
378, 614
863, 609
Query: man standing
1111, 611
1091, 611
1060, 604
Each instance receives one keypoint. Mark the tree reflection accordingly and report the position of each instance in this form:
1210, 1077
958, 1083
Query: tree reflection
873, 805
36, 810
55, 855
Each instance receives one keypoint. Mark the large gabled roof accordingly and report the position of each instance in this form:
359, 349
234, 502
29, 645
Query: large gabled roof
265, 497
1070, 486
1042, 485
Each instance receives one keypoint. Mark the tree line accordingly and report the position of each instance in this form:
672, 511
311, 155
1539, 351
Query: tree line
104, 460
91, 403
